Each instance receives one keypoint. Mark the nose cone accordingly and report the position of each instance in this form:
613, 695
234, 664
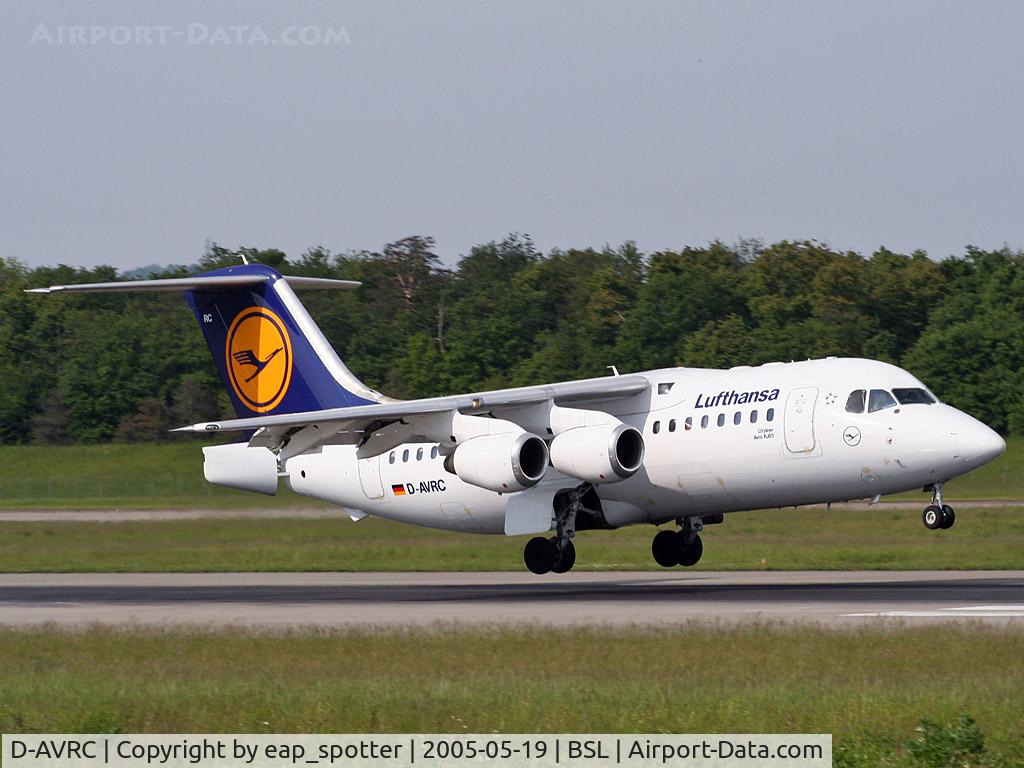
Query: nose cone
978, 444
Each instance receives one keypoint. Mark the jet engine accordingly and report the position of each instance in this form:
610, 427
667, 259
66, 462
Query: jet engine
604, 453
504, 463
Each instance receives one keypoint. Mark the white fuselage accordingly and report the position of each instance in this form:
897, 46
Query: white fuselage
716, 441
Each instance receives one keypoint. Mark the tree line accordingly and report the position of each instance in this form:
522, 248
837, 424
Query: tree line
129, 367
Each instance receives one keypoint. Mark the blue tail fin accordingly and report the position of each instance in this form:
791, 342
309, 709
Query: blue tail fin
270, 354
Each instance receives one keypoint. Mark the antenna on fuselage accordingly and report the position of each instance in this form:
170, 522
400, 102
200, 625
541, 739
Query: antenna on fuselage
613, 369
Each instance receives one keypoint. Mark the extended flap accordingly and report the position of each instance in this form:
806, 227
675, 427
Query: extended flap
528, 512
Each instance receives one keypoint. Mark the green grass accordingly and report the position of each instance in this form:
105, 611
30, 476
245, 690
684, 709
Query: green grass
868, 538
121, 476
1002, 479
868, 687
170, 475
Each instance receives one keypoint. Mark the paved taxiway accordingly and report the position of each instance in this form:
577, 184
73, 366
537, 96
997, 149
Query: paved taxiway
325, 512
391, 599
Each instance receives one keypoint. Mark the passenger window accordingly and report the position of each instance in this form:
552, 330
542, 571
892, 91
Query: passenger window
913, 396
657, 427
688, 424
405, 455
672, 425
703, 422
737, 418
419, 454
769, 415
879, 400
753, 417
391, 458
855, 402
433, 452
721, 419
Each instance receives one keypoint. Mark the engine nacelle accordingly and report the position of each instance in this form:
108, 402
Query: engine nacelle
604, 453
503, 463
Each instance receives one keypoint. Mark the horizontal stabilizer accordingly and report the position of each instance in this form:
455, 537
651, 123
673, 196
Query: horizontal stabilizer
267, 349
319, 283
212, 283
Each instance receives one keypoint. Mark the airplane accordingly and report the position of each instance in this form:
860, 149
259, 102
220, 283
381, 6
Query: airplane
678, 445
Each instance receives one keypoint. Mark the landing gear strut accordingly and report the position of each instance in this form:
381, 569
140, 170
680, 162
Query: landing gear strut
557, 554
938, 515
683, 547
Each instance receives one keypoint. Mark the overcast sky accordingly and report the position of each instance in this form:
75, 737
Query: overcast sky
857, 124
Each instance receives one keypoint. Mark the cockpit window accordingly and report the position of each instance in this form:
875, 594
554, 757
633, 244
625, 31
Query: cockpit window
879, 400
855, 402
913, 396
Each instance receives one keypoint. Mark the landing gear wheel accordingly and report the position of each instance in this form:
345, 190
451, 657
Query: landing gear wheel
948, 517
690, 553
932, 517
540, 555
559, 548
567, 559
665, 549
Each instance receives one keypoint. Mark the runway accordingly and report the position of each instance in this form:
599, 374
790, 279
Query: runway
279, 600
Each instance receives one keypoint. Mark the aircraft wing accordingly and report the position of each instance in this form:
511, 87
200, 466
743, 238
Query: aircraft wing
363, 417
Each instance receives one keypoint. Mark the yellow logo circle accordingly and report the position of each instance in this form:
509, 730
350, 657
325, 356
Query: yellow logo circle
259, 357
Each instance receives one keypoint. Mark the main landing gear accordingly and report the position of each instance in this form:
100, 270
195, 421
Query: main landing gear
682, 547
543, 555
557, 554
938, 515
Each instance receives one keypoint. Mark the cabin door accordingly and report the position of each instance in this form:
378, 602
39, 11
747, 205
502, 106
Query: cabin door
799, 420
369, 476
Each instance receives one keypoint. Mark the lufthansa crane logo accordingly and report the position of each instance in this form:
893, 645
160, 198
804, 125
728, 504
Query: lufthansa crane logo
259, 358
851, 436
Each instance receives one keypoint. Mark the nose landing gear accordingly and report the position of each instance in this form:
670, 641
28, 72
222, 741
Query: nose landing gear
683, 547
937, 515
